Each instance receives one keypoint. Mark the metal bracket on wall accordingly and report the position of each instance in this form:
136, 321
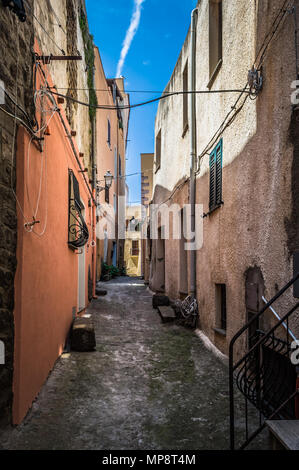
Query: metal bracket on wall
46, 59
17, 7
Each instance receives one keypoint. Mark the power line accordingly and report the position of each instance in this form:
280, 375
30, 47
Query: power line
168, 95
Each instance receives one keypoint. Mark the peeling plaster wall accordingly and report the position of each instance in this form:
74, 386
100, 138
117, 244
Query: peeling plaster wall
14, 37
61, 70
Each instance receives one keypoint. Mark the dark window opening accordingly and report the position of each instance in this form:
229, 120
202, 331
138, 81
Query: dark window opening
215, 37
109, 134
221, 313
216, 158
135, 248
158, 150
107, 194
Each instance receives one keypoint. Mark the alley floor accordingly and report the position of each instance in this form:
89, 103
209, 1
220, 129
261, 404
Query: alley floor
148, 386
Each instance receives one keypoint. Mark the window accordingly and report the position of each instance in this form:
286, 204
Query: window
109, 134
215, 38
221, 307
158, 150
216, 177
185, 99
135, 248
107, 193
78, 232
119, 165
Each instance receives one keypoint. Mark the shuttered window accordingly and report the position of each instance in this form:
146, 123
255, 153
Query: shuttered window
216, 177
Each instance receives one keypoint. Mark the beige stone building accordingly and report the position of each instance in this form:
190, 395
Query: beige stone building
133, 241
245, 161
111, 132
147, 167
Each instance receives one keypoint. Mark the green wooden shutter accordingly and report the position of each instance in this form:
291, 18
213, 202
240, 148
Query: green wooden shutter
212, 181
218, 173
216, 176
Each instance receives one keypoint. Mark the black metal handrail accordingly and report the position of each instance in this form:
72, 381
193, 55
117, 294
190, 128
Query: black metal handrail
250, 361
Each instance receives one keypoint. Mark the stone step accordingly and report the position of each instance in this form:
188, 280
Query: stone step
83, 335
160, 300
167, 314
285, 434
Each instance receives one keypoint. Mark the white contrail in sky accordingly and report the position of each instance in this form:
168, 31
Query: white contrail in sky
135, 20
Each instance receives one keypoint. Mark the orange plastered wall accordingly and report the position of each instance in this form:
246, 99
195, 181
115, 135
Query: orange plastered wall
46, 283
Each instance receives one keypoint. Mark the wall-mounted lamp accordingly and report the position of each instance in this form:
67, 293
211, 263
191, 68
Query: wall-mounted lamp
108, 182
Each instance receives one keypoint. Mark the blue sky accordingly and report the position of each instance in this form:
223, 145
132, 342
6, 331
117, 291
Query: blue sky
149, 63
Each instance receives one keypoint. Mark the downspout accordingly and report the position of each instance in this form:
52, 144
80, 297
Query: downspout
193, 148
94, 206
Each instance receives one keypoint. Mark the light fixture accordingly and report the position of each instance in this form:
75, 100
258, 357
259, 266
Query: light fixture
108, 179
108, 182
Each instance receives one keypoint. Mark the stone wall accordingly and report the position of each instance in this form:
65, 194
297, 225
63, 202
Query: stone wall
16, 41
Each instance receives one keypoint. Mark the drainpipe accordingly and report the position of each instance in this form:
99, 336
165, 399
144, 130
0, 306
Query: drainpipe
193, 149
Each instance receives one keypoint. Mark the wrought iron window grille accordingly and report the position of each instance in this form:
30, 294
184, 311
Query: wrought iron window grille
78, 233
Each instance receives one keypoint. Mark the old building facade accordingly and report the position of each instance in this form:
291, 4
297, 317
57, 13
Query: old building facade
48, 192
246, 160
147, 168
111, 142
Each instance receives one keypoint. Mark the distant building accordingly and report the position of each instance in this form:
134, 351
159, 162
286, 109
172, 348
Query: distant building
111, 141
133, 241
147, 168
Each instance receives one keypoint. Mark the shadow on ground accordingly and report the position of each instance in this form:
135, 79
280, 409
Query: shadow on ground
147, 386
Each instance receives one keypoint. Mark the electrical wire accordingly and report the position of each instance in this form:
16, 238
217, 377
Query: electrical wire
137, 105
230, 116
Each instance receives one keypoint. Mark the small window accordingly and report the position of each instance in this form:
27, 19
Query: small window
135, 248
119, 165
78, 234
185, 99
215, 38
158, 150
216, 177
221, 317
107, 194
109, 134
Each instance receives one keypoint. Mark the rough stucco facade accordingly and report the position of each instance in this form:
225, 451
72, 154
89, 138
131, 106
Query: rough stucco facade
38, 300
16, 39
68, 75
257, 225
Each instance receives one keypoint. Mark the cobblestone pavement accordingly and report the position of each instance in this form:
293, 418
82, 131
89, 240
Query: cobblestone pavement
148, 386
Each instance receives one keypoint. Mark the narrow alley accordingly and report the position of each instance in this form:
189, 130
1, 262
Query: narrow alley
148, 385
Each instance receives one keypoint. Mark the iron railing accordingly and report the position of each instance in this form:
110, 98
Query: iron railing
265, 374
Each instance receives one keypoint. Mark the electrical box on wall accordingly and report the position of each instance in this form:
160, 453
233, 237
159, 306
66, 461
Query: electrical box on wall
296, 270
17, 6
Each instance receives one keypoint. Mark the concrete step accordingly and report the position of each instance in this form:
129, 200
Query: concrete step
285, 434
83, 335
167, 314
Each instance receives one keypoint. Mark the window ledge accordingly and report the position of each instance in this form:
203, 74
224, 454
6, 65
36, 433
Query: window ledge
214, 74
220, 331
211, 211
